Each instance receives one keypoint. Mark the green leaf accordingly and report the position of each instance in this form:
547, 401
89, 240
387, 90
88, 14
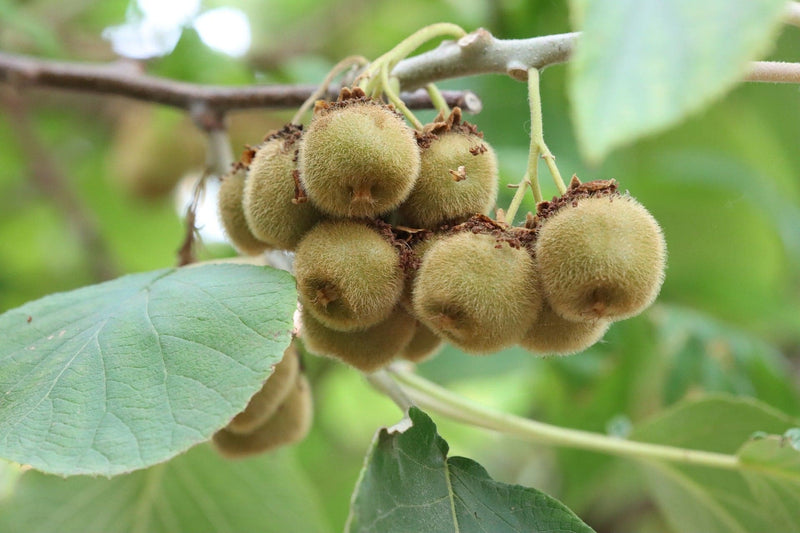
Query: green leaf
126, 374
409, 484
198, 491
762, 495
643, 65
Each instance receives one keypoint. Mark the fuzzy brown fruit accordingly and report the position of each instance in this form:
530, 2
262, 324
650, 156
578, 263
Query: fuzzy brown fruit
358, 159
423, 345
457, 179
289, 424
231, 214
367, 350
348, 276
553, 335
479, 294
274, 205
265, 402
601, 258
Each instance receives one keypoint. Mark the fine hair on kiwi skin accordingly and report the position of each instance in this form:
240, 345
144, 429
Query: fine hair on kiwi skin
424, 344
231, 213
601, 257
265, 402
477, 291
349, 276
358, 157
458, 175
552, 334
289, 424
275, 206
367, 350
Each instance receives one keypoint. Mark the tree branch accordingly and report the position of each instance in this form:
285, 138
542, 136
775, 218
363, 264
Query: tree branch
482, 53
123, 79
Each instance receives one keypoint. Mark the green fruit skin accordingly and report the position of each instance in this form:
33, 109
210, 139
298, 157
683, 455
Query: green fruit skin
358, 161
290, 424
602, 258
265, 402
353, 263
367, 350
553, 335
437, 197
423, 345
476, 294
268, 194
231, 214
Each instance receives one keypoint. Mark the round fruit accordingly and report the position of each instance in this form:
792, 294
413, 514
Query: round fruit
358, 158
348, 276
232, 216
601, 257
368, 349
457, 179
424, 344
479, 294
266, 401
274, 205
288, 425
553, 335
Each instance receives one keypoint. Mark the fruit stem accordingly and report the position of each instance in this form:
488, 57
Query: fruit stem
522, 188
337, 69
438, 100
430, 396
538, 147
392, 96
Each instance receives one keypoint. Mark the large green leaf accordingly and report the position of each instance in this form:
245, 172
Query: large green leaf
763, 494
126, 374
409, 484
642, 65
198, 491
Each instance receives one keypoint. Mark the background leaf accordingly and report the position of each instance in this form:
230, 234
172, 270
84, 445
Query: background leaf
198, 491
764, 495
642, 65
125, 374
409, 484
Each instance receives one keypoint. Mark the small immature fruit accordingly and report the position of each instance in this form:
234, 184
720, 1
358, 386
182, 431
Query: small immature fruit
457, 179
266, 401
289, 424
232, 216
358, 158
601, 257
553, 335
424, 344
479, 293
368, 349
274, 204
348, 276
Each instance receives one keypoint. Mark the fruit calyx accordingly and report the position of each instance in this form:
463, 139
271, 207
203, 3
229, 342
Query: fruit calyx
454, 124
575, 192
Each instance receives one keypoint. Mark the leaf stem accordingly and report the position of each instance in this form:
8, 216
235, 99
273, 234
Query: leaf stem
535, 102
430, 396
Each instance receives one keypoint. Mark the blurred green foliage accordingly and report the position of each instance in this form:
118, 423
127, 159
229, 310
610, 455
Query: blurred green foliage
724, 184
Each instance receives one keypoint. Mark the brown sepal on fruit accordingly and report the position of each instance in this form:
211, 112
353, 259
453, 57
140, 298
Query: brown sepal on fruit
575, 192
349, 97
453, 123
516, 237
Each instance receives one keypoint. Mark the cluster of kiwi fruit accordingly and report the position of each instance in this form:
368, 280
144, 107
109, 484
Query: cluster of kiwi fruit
279, 414
395, 253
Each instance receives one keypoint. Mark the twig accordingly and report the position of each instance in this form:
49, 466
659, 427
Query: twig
792, 14
774, 71
52, 182
119, 79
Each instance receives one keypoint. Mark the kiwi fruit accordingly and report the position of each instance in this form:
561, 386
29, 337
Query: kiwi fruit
601, 257
348, 275
358, 158
552, 334
477, 291
424, 344
274, 391
289, 424
274, 204
457, 178
368, 349
231, 213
